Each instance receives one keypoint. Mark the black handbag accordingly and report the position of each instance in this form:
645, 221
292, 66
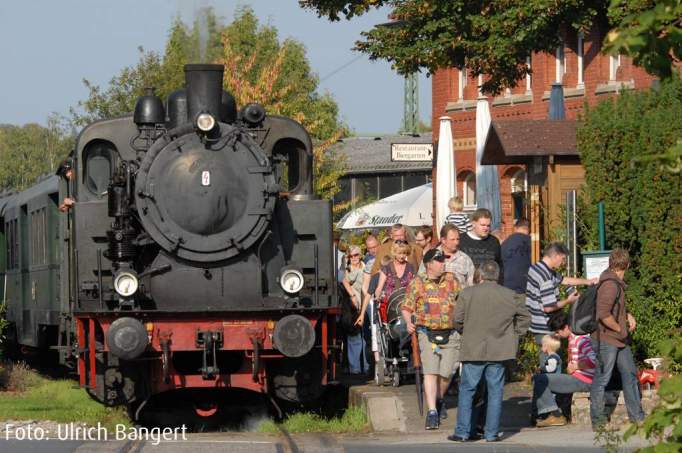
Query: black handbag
440, 336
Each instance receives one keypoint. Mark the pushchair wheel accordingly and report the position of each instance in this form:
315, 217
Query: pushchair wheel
396, 377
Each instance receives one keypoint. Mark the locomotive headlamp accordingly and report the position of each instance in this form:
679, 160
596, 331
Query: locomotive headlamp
205, 122
291, 281
125, 284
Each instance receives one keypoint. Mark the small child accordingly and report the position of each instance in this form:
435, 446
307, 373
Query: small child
457, 216
552, 362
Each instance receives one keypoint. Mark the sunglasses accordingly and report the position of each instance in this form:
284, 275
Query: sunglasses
400, 242
354, 255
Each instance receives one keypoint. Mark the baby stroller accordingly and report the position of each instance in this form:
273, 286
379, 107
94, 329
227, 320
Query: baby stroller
390, 339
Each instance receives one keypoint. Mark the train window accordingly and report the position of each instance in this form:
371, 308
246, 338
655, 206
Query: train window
12, 245
38, 236
99, 163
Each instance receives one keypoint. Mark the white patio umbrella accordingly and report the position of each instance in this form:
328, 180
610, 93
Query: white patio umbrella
445, 171
487, 180
411, 207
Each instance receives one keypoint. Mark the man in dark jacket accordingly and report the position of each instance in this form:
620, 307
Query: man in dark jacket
611, 340
491, 318
516, 257
479, 244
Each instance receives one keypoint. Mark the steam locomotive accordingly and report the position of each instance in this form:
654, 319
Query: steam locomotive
195, 256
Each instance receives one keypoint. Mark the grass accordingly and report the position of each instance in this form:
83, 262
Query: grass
33, 397
353, 420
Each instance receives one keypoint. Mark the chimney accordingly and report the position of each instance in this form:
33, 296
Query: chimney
557, 110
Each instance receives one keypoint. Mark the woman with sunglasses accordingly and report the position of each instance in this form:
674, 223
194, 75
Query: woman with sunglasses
352, 283
396, 274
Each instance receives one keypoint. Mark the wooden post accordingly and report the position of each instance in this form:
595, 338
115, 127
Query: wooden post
535, 223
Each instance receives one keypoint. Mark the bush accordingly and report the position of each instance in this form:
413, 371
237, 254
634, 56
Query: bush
17, 377
643, 201
664, 424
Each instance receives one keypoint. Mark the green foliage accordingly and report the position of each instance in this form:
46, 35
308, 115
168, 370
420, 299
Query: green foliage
651, 35
490, 37
642, 201
3, 326
29, 151
664, 425
353, 420
55, 400
527, 362
494, 37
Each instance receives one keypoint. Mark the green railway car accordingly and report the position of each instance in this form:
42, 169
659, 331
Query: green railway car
32, 244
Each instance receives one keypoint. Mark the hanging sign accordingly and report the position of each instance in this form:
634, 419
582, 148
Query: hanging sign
411, 152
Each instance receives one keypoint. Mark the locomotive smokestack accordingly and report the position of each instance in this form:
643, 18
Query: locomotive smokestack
204, 89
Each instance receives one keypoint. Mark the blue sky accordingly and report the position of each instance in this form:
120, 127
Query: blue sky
48, 46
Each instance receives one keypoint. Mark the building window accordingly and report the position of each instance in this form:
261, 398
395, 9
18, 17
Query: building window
519, 188
366, 189
560, 64
614, 64
389, 185
581, 70
469, 190
528, 76
344, 194
462, 83
410, 181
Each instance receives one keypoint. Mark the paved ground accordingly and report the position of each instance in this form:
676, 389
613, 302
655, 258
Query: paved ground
518, 435
554, 440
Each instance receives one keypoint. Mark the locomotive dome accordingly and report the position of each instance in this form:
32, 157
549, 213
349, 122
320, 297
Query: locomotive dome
207, 196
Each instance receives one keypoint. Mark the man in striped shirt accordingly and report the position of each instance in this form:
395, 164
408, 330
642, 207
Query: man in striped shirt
582, 362
542, 290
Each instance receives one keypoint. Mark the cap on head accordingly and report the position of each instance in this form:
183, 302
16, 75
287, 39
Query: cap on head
64, 167
435, 254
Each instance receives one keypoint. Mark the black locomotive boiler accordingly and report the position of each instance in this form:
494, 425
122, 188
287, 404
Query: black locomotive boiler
197, 254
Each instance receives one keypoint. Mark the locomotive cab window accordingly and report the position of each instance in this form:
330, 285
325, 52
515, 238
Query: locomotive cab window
99, 158
286, 159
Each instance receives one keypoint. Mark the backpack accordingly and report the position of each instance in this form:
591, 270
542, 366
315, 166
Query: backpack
582, 317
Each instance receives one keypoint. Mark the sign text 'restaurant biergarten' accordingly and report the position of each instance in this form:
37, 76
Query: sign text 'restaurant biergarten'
417, 152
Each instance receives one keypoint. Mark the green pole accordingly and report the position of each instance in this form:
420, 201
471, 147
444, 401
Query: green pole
602, 230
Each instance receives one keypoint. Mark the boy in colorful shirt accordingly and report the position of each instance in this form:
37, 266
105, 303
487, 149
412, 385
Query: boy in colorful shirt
582, 361
431, 299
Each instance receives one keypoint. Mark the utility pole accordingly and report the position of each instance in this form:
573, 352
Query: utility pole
410, 124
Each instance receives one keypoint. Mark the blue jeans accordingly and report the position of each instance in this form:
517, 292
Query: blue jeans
610, 356
546, 385
472, 373
356, 353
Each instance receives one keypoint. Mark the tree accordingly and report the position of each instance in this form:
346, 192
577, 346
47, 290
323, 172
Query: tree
491, 37
641, 202
29, 151
652, 37
258, 68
